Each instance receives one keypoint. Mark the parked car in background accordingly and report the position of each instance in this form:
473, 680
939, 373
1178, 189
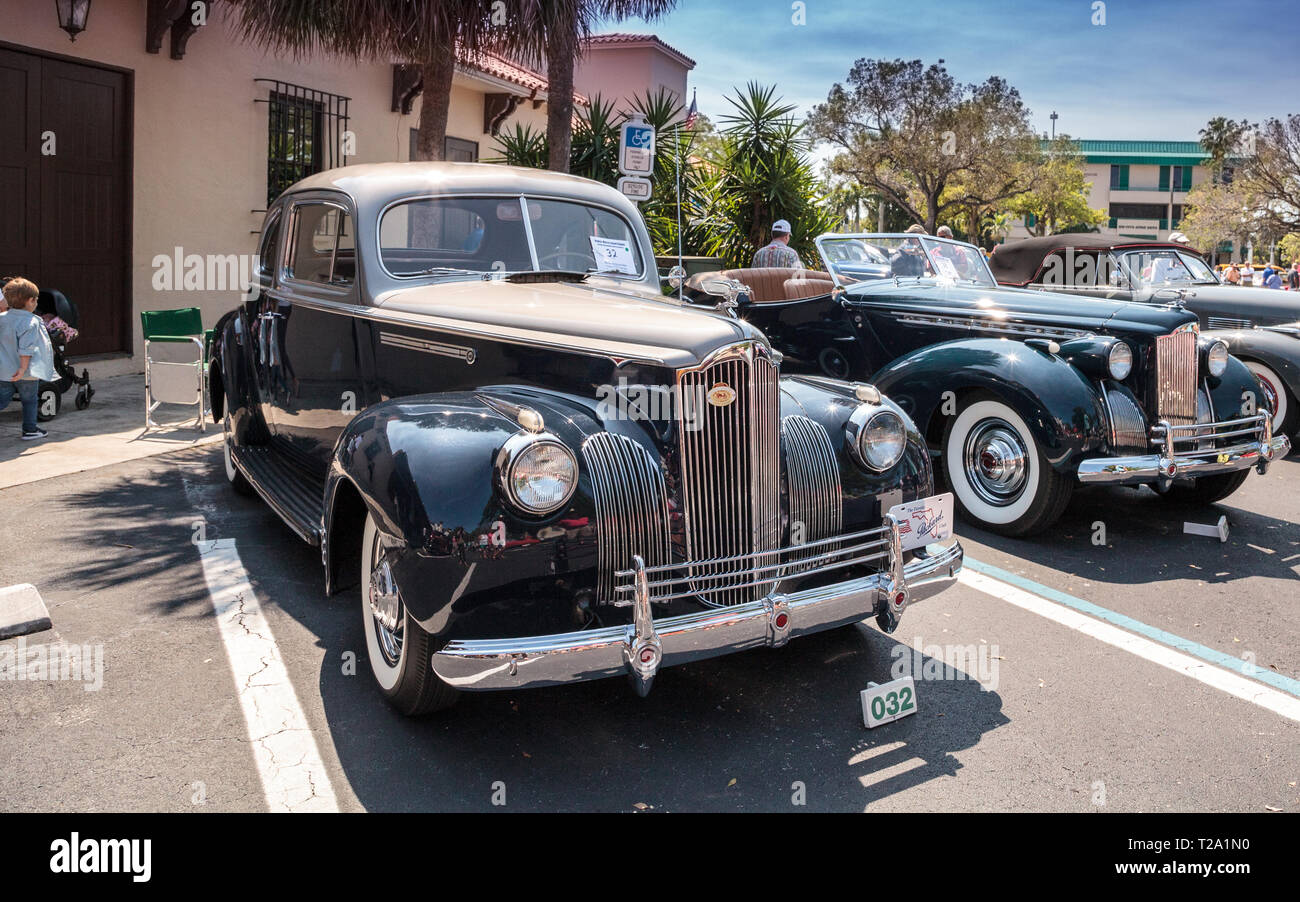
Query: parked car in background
530, 467
1260, 326
1020, 395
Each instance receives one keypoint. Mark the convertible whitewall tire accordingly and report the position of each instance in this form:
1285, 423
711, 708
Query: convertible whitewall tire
998, 476
1284, 415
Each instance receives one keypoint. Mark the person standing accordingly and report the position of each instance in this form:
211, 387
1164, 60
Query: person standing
1232, 275
1293, 277
778, 252
1272, 279
26, 356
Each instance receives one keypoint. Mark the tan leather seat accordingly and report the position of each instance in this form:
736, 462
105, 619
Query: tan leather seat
769, 283
799, 287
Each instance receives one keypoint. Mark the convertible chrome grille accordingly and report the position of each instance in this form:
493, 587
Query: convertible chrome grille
1128, 427
759, 573
812, 475
631, 507
1176, 366
730, 468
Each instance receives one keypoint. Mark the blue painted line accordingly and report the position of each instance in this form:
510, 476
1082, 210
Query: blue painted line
1205, 653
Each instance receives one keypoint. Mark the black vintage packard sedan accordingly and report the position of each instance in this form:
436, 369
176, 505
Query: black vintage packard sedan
1260, 326
464, 383
1021, 395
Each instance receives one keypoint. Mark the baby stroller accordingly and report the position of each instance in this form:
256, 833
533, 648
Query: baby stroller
60, 316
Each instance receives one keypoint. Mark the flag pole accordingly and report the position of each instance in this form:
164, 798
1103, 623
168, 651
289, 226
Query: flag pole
678, 157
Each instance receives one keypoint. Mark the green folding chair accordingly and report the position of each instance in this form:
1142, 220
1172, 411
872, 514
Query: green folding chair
183, 326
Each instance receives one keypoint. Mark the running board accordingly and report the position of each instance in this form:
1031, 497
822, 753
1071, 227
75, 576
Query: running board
292, 493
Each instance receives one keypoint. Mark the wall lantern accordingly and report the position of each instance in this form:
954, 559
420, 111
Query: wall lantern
73, 15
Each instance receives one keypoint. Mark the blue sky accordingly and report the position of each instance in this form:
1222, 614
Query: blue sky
1157, 69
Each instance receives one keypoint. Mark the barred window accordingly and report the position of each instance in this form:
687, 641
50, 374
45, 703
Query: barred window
306, 133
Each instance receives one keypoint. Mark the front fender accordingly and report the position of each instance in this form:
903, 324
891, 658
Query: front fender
1228, 393
1277, 351
467, 564
1063, 410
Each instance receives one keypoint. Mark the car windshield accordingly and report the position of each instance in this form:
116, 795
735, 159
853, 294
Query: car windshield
470, 237
858, 258
1168, 267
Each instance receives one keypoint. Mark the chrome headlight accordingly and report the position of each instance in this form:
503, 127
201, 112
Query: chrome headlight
538, 474
877, 437
1119, 362
1216, 358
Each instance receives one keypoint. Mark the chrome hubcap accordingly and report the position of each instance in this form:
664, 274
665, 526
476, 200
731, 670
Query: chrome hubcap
386, 609
996, 462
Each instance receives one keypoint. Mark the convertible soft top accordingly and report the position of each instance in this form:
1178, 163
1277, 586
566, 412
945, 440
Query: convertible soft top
1018, 262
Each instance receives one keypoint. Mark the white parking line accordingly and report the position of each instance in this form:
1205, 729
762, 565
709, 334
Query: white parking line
1209, 674
288, 761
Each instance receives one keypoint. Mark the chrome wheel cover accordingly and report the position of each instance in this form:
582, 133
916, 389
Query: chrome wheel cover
385, 607
996, 462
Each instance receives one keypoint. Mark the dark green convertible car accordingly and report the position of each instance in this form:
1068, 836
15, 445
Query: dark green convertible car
1022, 395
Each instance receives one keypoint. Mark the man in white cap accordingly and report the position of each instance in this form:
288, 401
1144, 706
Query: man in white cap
778, 253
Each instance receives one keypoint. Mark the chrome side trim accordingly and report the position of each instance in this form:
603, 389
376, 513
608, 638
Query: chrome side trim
981, 324
1227, 322
631, 508
428, 347
482, 664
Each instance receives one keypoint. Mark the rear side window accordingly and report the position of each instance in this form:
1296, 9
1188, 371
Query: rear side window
268, 252
322, 246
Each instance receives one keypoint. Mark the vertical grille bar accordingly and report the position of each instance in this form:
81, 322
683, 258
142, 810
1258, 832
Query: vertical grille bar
1176, 366
631, 507
730, 468
816, 499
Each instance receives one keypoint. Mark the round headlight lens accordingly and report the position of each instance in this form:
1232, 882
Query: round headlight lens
882, 440
1216, 358
1120, 361
542, 477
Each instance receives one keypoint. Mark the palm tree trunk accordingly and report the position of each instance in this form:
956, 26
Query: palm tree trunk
431, 138
561, 53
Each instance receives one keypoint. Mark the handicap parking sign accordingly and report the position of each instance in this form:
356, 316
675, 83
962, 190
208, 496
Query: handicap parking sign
636, 151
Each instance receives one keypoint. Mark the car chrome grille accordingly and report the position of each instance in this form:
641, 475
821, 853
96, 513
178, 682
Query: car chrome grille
631, 507
812, 475
1128, 427
730, 468
1176, 366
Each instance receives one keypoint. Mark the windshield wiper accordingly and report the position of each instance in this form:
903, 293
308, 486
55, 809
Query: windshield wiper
446, 271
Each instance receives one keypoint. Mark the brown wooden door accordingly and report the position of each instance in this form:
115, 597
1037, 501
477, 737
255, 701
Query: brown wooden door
75, 236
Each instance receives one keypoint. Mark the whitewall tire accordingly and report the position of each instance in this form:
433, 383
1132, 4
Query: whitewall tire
398, 648
234, 478
998, 476
1284, 418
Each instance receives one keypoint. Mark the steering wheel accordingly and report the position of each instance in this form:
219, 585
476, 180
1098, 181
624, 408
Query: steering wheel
586, 261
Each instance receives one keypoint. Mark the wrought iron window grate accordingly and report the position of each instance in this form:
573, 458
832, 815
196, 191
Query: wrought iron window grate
306, 133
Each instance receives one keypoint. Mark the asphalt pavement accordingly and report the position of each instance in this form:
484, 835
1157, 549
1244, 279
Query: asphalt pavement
1038, 714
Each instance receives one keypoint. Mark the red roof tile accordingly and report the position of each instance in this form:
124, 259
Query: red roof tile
624, 37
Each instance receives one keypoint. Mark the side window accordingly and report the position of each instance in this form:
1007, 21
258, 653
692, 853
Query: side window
268, 253
322, 247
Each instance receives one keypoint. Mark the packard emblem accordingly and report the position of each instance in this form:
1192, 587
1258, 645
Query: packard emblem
721, 395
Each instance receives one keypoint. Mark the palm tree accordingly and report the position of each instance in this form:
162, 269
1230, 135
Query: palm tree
426, 33
555, 29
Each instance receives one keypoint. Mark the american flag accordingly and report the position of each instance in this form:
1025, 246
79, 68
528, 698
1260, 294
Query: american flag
693, 113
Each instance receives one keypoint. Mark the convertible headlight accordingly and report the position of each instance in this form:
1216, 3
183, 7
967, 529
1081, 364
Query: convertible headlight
1119, 362
1216, 358
538, 473
877, 437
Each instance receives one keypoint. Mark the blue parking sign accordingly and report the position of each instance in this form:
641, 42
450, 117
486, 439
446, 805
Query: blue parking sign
636, 151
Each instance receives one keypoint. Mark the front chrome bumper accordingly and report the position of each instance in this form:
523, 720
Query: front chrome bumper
643, 647
1188, 452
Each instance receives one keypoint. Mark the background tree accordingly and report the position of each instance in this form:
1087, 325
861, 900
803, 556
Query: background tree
554, 30
925, 141
1269, 179
763, 174
425, 33
1215, 213
1221, 138
1059, 199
